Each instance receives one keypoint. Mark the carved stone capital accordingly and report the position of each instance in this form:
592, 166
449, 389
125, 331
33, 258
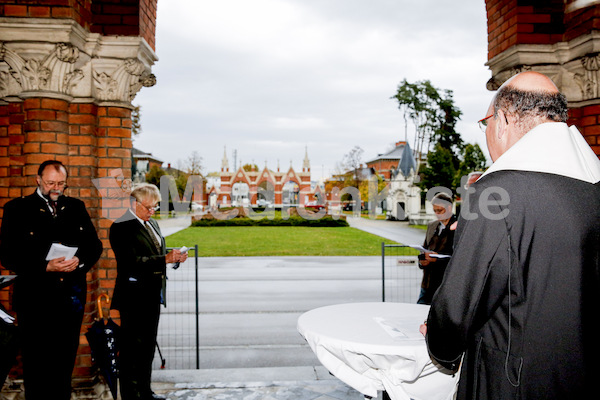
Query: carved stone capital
58, 58
574, 66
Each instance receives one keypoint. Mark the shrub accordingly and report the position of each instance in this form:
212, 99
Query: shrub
326, 221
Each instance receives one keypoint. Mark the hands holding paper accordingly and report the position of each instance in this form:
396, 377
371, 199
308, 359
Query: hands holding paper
62, 265
176, 255
426, 258
61, 258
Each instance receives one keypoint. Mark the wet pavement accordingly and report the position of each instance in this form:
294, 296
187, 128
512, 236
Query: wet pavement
291, 383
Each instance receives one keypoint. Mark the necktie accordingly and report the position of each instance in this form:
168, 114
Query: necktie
53, 206
152, 236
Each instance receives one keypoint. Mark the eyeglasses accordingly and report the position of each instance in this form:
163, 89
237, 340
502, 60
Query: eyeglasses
150, 209
483, 123
61, 184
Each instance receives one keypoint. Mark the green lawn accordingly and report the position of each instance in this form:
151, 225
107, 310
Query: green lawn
234, 241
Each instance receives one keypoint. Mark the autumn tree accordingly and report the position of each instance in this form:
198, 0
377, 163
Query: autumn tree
352, 164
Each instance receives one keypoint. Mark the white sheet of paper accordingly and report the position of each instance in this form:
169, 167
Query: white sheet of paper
7, 318
400, 328
58, 250
439, 255
418, 247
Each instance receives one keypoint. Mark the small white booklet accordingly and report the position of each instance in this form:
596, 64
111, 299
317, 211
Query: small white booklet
5, 317
424, 250
400, 328
60, 250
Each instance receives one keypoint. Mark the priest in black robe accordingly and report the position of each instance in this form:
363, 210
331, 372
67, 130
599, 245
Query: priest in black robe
517, 309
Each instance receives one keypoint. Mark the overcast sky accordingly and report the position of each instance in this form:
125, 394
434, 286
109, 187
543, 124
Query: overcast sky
271, 78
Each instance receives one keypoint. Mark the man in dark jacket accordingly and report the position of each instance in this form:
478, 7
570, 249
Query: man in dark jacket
141, 266
49, 295
438, 240
520, 296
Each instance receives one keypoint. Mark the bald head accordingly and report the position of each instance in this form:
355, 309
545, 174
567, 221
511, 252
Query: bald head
531, 81
530, 99
523, 102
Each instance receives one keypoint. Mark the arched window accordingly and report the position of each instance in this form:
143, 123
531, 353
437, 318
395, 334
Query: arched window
291, 193
239, 194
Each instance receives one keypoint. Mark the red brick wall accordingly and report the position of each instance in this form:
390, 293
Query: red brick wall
107, 17
78, 10
93, 142
384, 167
587, 120
581, 22
126, 18
512, 22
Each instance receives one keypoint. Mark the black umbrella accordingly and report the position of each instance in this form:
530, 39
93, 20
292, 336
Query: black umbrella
8, 336
103, 338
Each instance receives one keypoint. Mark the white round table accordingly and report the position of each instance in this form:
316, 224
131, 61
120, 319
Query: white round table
377, 347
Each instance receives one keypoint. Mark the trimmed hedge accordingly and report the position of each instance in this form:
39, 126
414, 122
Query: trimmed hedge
326, 221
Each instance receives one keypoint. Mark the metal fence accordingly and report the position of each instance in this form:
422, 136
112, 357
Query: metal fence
400, 274
179, 328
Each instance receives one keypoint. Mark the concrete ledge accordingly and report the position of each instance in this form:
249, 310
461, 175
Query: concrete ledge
238, 377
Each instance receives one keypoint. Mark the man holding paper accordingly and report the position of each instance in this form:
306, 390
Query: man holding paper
49, 292
141, 271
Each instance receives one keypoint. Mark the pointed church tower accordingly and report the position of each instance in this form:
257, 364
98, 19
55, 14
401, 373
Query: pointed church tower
306, 163
225, 162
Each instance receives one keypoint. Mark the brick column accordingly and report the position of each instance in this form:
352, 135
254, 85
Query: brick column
556, 38
73, 71
587, 120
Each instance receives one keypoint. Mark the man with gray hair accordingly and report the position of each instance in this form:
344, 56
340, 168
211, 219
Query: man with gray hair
141, 272
520, 296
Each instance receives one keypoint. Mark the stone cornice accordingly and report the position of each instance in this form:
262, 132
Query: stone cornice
57, 58
574, 66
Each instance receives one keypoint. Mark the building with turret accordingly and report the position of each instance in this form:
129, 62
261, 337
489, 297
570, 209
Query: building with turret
251, 186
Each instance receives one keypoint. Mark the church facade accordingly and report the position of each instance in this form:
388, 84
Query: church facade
262, 188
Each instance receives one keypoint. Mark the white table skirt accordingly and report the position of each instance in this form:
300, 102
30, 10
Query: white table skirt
377, 346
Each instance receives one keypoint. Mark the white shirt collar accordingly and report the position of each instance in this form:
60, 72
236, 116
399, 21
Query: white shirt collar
553, 148
138, 218
39, 192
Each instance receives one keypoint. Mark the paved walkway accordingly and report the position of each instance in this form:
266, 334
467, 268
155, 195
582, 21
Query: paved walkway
290, 383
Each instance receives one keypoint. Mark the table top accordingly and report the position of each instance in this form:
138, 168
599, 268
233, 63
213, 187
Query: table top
377, 346
373, 326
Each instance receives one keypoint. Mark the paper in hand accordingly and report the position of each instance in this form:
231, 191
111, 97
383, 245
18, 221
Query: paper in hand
436, 255
423, 250
58, 250
183, 250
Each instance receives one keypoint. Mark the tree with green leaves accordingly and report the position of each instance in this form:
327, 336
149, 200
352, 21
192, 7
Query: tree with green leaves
432, 113
473, 159
439, 170
136, 121
153, 176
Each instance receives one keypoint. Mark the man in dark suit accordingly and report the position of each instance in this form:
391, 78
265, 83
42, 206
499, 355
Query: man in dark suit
49, 295
141, 266
439, 240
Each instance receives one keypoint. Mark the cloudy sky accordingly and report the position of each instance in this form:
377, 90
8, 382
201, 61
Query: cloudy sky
271, 78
